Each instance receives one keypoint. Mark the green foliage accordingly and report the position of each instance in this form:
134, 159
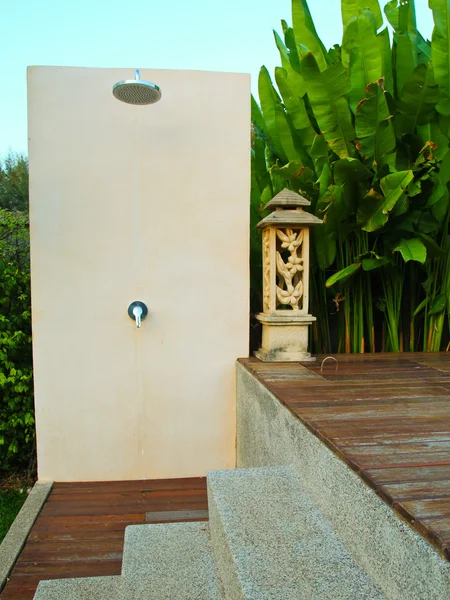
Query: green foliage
16, 379
363, 132
14, 182
11, 502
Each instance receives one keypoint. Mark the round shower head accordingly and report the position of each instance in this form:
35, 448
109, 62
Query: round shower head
135, 91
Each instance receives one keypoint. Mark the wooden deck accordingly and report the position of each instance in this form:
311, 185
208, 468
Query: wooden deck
79, 532
388, 417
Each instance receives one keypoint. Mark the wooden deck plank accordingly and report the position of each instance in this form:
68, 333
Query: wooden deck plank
388, 417
129, 486
123, 498
418, 490
391, 475
62, 510
80, 530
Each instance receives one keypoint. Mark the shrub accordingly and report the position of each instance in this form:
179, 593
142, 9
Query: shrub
16, 378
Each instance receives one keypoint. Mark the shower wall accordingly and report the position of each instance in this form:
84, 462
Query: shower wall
145, 203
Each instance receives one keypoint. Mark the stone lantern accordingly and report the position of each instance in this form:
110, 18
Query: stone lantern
285, 242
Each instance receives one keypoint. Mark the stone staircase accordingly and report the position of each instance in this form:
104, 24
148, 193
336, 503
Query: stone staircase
265, 540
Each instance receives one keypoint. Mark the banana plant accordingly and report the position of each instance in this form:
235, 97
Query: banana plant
362, 130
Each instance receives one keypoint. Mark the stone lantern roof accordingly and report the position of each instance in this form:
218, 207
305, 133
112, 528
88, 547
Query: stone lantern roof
294, 215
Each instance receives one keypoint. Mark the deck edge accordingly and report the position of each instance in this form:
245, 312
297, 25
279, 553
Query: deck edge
15, 539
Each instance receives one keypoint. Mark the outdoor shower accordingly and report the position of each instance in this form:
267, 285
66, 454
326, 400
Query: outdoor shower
135, 91
138, 92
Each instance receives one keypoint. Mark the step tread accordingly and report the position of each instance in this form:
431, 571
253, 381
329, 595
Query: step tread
170, 560
271, 541
82, 588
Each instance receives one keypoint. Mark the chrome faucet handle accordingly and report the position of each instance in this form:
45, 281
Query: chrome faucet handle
137, 311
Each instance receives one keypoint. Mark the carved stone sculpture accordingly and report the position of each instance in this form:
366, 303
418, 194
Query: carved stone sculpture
285, 246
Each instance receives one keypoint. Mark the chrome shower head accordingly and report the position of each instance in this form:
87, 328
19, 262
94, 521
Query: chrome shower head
135, 91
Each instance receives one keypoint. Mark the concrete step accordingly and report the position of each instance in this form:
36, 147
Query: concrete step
169, 561
271, 542
87, 588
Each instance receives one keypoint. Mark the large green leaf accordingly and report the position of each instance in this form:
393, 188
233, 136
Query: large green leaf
394, 187
336, 205
391, 12
439, 199
374, 128
350, 170
306, 34
438, 305
363, 46
405, 42
433, 249
257, 117
424, 49
327, 92
290, 141
419, 98
324, 244
349, 8
271, 106
295, 106
258, 165
440, 51
372, 263
441, 181
419, 221
401, 15
291, 44
295, 176
412, 249
432, 132
440, 209
325, 179
293, 77
423, 46
374, 209
296, 132
255, 216
266, 195
284, 54
386, 52
409, 47
319, 154
343, 274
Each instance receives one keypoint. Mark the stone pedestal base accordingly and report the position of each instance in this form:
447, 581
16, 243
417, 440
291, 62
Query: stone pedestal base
284, 338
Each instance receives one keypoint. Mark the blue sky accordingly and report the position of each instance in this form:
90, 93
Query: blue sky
232, 35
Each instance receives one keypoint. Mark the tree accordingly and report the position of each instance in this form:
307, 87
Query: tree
14, 182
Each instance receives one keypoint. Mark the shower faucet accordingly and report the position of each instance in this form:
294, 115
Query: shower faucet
137, 311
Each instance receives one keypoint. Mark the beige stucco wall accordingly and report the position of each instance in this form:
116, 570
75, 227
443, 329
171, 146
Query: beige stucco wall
137, 203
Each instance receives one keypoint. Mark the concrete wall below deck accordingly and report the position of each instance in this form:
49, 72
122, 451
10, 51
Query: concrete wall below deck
398, 560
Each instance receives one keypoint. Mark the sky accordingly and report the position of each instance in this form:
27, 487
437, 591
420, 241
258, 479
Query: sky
232, 35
